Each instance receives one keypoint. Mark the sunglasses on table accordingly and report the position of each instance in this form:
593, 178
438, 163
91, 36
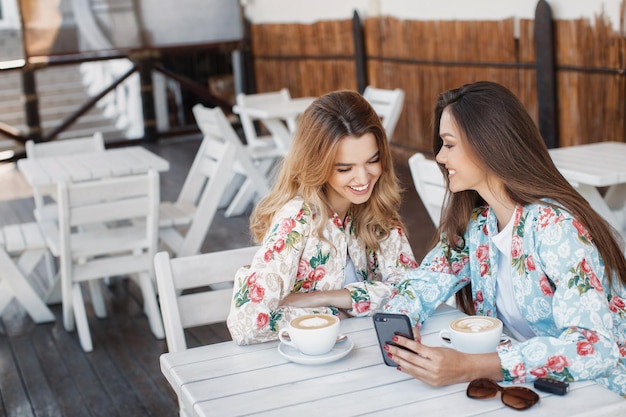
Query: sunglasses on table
519, 398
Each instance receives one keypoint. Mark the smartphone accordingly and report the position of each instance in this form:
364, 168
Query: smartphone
387, 325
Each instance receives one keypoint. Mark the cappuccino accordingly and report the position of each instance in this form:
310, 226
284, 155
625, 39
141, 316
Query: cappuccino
313, 321
473, 334
475, 324
311, 334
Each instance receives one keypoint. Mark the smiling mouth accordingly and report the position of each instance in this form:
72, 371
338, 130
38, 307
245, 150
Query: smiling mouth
362, 188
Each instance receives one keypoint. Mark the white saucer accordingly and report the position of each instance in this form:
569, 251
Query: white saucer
340, 350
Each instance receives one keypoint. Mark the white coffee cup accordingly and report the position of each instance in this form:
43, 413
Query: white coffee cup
473, 334
311, 334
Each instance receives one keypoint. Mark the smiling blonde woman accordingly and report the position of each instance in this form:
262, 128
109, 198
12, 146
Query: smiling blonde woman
330, 233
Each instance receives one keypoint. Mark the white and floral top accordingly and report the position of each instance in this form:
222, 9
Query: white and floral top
292, 259
559, 287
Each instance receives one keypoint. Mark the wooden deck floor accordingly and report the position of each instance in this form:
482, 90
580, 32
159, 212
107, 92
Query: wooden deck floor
43, 370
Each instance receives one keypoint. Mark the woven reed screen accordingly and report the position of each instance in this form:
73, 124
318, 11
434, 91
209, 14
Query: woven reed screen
591, 81
426, 57
309, 60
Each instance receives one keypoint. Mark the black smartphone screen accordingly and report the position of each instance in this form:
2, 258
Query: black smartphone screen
387, 325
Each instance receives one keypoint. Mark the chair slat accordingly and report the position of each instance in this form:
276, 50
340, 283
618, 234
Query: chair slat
388, 105
206, 182
210, 276
429, 183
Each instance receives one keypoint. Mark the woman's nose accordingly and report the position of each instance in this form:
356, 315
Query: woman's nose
361, 175
440, 157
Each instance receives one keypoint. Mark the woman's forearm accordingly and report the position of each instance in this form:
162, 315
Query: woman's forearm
336, 298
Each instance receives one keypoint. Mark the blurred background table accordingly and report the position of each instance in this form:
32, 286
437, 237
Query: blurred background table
86, 166
594, 166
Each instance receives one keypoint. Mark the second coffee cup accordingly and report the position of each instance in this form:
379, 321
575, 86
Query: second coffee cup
473, 334
311, 334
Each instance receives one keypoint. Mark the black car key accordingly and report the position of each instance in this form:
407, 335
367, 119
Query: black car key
552, 386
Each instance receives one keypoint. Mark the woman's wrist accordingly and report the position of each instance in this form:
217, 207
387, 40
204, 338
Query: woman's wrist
485, 365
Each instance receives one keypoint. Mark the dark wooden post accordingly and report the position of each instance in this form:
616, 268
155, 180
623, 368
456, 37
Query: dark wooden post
248, 76
359, 53
144, 66
31, 104
546, 76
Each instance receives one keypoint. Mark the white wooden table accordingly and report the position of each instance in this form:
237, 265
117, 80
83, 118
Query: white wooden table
48, 170
226, 379
87, 166
273, 114
601, 164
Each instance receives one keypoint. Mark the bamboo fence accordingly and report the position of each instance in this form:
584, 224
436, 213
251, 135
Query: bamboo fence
427, 57
309, 60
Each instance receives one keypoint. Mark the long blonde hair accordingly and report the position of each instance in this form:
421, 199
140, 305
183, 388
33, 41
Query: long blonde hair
504, 138
310, 163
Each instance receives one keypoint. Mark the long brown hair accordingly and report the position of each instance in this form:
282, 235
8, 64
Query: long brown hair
310, 162
503, 137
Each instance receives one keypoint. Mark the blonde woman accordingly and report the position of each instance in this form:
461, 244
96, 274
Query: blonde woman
331, 235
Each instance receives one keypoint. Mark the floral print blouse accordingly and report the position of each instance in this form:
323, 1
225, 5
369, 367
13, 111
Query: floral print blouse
292, 259
560, 288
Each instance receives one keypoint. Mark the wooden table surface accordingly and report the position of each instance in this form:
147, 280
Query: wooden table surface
594, 165
80, 167
226, 379
599, 164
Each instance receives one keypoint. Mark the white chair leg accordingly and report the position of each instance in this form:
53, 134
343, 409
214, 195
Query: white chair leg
240, 203
54, 295
51, 269
6, 295
150, 305
82, 325
246, 193
231, 190
97, 300
68, 309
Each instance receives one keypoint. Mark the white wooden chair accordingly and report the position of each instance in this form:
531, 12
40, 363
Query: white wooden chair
212, 122
94, 143
22, 247
199, 198
263, 150
196, 291
388, 105
429, 183
248, 123
45, 197
107, 228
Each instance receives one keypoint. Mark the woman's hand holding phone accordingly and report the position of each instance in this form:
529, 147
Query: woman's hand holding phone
388, 325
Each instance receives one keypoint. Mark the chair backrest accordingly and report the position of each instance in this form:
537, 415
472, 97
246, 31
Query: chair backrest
196, 290
247, 122
204, 185
93, 143
429, 183
108, 227
388, 105
213, 123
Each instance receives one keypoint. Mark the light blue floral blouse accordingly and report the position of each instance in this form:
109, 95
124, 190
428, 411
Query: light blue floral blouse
560, 288
293, 259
